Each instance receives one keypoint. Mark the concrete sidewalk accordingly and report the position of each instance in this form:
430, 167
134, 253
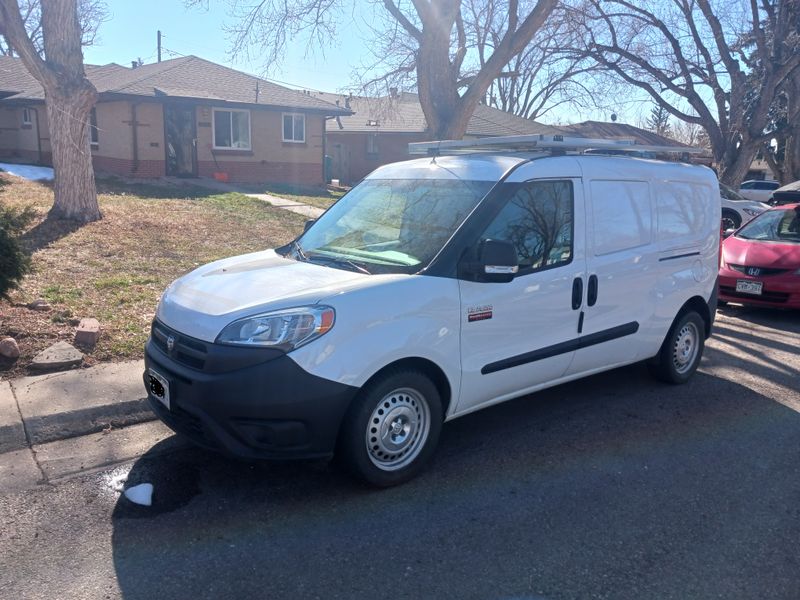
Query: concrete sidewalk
46, 408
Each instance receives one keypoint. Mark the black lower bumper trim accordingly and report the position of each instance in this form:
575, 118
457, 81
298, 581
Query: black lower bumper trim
274, 409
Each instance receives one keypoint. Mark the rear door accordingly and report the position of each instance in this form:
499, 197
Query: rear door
519, 335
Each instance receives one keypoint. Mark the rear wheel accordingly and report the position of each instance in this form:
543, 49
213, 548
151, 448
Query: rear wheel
392, 429
681, 351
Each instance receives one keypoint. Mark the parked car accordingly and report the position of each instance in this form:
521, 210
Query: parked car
437, 287
788, 194
736, 210
759, 190
760, 263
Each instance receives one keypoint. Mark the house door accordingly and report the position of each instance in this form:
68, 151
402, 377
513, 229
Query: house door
181, 135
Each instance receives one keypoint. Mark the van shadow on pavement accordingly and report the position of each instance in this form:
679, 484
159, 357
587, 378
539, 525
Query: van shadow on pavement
612, 486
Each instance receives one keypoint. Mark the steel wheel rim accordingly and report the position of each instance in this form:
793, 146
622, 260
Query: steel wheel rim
685, 348
728, 223
397, 429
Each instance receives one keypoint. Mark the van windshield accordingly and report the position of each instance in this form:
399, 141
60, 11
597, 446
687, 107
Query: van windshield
390, 225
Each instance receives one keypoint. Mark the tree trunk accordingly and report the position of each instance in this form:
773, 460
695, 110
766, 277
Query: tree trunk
75, 192
69, 97
736, 163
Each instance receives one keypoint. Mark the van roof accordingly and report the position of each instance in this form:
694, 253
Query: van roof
493, 166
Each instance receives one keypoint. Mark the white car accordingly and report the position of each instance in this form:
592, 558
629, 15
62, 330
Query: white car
435, 288
736, 210
758, 190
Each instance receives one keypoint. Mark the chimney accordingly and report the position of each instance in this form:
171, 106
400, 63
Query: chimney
393, 93
134, 64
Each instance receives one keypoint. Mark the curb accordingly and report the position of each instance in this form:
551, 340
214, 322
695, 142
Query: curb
60, 426
46, 408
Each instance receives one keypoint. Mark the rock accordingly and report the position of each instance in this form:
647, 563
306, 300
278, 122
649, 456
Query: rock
58, 356
88, 332
9, 348
39, 304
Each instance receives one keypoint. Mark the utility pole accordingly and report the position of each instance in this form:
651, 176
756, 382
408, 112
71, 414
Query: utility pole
159, 45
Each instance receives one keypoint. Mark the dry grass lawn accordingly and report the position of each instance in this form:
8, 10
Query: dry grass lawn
115, 269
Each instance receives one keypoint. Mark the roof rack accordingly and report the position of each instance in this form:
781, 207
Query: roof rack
551, 143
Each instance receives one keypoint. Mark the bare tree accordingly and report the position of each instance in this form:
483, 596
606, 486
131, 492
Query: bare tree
69, 97
701, 54
783, 152
420, 37
539, 79
92, 14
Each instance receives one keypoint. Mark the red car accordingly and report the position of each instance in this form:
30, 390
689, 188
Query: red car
760, 263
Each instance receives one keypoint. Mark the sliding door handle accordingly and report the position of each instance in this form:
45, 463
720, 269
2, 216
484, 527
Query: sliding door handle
591, 292
577, 293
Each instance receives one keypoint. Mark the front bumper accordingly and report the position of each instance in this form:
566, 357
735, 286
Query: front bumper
777, 290
270, 409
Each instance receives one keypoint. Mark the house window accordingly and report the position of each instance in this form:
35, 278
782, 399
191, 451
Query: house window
294, 128
93, 137
232, 129
26, 116
372, 143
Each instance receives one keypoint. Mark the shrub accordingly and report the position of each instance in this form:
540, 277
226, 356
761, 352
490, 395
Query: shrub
14, 262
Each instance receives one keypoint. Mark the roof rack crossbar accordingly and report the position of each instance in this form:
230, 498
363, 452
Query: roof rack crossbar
552, 143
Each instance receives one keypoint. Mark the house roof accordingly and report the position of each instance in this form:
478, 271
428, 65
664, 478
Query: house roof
403, 114
615, 131
185, 77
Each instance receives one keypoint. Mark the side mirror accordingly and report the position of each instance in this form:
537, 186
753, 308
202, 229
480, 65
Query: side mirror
727, 233
496, 262
308, 224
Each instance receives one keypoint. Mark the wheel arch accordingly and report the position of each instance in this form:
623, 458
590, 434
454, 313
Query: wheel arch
426, 366
701, 307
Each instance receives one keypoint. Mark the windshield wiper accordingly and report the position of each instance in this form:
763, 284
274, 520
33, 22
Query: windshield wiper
299, 251
340, 261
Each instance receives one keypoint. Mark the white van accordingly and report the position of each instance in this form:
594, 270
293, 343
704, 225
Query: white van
437, 287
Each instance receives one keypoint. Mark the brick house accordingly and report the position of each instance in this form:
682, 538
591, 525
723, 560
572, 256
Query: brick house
183, 117
380, 130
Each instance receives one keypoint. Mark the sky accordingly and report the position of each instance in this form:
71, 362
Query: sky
131, 33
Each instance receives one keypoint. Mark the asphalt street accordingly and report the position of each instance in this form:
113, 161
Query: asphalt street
615, 486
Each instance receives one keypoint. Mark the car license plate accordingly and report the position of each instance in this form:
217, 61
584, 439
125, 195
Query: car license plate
159, 387
749, 287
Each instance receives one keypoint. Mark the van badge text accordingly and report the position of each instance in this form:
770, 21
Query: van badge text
479, 313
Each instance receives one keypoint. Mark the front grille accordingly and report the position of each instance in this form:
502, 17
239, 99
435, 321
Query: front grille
762, 271
185, 350
766, 295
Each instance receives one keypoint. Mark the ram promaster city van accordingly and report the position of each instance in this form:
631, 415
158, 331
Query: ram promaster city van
436, 287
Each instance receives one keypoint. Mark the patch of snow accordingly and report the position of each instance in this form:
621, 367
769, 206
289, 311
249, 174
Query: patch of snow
140, 494
30, 172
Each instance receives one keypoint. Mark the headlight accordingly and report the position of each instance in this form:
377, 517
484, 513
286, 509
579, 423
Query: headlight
753, 212
281, 329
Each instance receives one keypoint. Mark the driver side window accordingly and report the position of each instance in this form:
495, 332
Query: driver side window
538, 221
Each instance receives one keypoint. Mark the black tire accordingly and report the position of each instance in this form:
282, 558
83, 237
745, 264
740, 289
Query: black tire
411, 424
730, 219
681, 351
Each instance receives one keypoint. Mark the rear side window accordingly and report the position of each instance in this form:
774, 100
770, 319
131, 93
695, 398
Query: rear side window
538, 220
684, 210
621, 215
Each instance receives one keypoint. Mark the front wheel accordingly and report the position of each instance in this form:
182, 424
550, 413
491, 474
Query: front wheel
681, 351
392, 428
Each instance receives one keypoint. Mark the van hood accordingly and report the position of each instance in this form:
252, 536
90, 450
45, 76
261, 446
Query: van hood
201, 303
